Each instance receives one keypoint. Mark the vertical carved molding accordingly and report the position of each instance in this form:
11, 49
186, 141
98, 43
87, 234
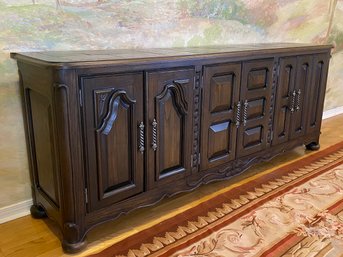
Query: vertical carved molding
272, 100
62, 124
196, 122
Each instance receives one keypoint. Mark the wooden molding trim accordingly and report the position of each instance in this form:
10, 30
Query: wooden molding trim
15, 211
333, 112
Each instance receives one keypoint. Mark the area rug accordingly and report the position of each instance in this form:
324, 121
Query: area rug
296, 210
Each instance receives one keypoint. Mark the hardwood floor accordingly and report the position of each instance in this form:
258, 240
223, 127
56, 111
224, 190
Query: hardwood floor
26, 237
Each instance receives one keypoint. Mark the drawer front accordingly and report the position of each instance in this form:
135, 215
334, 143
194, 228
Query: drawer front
112, 112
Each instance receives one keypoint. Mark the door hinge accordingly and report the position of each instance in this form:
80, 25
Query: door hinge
86, 195
271, 135
80, 97
199, 159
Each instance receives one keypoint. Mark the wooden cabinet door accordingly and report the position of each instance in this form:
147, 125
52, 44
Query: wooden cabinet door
218, 128
169, 124
255, 95
316, 93
283, 101
300, 96
112, 112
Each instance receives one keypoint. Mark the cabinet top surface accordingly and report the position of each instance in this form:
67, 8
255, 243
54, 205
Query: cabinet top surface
84, 57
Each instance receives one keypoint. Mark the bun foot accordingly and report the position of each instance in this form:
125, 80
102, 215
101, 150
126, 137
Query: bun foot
313, 146
37, 212
75, 247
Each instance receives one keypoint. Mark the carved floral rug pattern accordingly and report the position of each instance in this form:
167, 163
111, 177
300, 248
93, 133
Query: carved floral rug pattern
296, 210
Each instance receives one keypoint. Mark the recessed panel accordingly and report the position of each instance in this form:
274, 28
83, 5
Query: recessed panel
218, 138
221, 92
252, 136
170, 135
42, 131
281, 122
316, 90
256, 108
286, 81
118, 171
257, 79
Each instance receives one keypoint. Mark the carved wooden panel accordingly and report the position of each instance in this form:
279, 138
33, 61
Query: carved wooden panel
219, 136
284, 98
170, 110
220, 97
255, 95
113, 109
316, 94
257, 78
42, 130
221, 88
253, 136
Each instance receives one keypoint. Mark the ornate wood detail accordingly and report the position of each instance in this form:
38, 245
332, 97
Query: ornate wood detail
100, 97
272, 100
179, 98
118, 97
196, 121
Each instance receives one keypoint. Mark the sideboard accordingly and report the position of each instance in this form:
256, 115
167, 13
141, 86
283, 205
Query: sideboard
110, 131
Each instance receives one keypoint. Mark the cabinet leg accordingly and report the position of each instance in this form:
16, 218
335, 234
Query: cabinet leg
313, 146
74, 247
37, 212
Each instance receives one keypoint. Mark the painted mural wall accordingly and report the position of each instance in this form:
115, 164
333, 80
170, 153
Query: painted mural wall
32, 25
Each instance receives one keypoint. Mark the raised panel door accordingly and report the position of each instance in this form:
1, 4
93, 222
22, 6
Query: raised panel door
299, 93
218, 129
169, 124
283, 101
112, 113
255, 95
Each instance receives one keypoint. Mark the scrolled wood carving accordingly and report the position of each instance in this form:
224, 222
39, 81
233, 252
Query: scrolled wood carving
179, 98
119, 96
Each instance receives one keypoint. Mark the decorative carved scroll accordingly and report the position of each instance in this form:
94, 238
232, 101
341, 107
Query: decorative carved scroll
117, 97
179, 97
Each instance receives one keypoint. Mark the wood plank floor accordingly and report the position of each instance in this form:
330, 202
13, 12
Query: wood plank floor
26, 237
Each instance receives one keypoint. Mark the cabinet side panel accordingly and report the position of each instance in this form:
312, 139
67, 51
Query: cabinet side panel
317, 93
44, 148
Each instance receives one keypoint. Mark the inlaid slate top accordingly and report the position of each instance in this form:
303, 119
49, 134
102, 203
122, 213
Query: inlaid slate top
86, 57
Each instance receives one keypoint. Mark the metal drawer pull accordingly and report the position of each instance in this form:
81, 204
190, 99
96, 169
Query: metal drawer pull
154, 135
298, 100
238, 114
245, 113
141, 137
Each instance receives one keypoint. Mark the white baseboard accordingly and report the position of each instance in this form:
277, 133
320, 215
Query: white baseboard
333, 112
15, 211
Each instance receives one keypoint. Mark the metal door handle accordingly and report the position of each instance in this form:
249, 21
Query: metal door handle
238, 114
293, 101
154, 135
297, 108
245, 113
141, 137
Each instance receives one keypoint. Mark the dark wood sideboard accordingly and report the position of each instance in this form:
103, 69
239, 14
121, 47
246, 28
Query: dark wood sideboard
111, 131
